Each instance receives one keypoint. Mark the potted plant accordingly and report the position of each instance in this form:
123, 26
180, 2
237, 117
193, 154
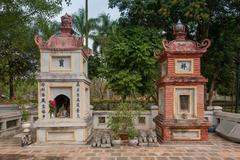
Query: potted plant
116, 141
22, 104
25, 118
133, 139
25, 115
121, 122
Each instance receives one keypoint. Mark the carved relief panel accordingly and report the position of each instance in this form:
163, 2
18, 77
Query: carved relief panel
184, 66
60, 63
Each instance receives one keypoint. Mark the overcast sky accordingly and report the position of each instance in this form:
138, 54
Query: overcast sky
95, 7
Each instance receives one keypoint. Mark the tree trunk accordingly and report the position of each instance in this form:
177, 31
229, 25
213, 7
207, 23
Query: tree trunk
108, 94
232, 103
11, 87
212, 87
86, 21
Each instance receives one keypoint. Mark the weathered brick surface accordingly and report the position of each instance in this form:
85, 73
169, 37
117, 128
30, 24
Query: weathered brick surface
182, 49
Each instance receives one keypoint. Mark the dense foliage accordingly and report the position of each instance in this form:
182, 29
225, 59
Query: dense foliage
215, 19
19, 55
129, 59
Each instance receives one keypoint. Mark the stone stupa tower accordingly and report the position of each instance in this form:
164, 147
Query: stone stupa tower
181, 89
63, 88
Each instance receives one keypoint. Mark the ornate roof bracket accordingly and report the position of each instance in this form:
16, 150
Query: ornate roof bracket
157, 53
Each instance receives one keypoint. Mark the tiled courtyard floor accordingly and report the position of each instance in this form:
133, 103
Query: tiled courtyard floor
217, 149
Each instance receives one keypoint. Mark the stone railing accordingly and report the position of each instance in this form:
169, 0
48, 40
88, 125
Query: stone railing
226, 124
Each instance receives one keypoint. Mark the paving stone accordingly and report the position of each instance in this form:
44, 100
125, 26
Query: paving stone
90, 154
141, 154
200, 158
95, 158
166, 154
122, 158
148, 158
135, 158
215, 158
115, 154
174, 158
152, 154
228, 158
187, 158
218, 149
162, 158
178, 154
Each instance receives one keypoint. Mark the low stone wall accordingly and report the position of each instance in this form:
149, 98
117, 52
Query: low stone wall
143, 122
209, 114
224, 122
10, 120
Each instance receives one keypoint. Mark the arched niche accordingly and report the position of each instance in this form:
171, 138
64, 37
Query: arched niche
62, 106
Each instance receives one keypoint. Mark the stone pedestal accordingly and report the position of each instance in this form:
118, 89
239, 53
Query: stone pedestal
184, 130
74, 131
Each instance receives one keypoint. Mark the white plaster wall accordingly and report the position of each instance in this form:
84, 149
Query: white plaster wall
56, 91
79, 135
41, 135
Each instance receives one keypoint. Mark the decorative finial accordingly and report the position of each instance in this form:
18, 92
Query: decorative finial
179, 22
179, 31
66, 25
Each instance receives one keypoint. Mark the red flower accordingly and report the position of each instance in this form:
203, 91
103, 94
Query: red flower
52, 105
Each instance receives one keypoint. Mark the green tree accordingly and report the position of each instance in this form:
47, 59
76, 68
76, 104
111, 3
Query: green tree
130, 66
81, 27
18, 56
97, 29
104, 27
216, 19
163, 13
46, 28
218, 64
18, 50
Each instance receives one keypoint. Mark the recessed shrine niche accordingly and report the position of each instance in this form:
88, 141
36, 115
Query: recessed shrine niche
63, 98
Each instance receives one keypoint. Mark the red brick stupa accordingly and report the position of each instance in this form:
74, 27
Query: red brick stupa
181, 89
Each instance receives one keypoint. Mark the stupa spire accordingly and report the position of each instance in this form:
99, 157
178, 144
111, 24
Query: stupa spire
179, 31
